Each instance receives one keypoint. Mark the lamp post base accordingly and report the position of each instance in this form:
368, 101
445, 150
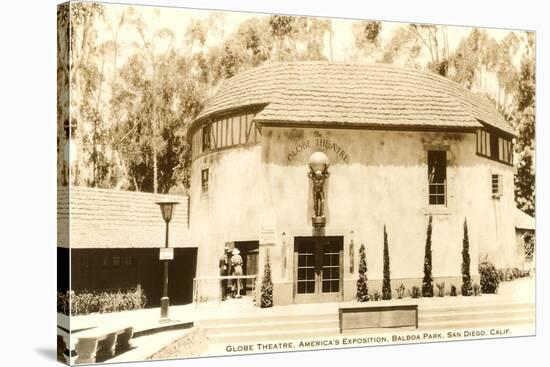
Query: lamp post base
318, 222
164, 305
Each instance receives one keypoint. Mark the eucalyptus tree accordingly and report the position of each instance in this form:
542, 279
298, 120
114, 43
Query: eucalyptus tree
367, 40
524, 119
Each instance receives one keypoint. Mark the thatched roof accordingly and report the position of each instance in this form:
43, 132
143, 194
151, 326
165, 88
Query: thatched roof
101, 218
378, 95
524, 220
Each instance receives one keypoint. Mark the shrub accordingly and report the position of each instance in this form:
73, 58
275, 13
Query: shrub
453, 290
513, 273
375, 296
415, 292
386, 283
466, 279
400, 291
427, 282
501, 275
476, 290
362, 289
508, 274
266, 297
63, 300
441, 289
488, 277
87, 302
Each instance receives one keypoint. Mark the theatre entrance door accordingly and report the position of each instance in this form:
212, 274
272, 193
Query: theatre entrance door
318, 269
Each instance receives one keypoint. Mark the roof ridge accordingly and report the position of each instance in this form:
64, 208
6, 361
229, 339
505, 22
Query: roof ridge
81, 189
276, 82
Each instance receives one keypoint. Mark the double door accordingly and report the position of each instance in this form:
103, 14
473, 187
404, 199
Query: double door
318, 269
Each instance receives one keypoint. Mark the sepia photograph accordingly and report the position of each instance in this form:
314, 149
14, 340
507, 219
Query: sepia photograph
237, 183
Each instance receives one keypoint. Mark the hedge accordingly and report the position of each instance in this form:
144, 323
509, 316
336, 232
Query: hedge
87, 302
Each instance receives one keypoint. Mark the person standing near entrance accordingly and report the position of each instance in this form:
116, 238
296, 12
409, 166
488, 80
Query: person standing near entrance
237, 264
224, 265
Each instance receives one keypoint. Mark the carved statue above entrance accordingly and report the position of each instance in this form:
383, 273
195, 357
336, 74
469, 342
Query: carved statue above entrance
318, 173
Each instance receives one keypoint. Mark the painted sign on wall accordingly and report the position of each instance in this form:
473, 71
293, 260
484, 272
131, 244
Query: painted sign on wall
319, 143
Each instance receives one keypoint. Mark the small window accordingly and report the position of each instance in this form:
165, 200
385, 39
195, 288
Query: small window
116, 260
496, 186
484, 142
206, 137
437, 177
494, 146
204, 180
129, 260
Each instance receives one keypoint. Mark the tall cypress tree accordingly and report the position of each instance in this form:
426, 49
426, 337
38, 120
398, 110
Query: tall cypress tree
266, 296
427, 282
386, 283
362, 289
466, 279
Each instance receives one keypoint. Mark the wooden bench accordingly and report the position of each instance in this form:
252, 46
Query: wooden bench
378, 317
102, 342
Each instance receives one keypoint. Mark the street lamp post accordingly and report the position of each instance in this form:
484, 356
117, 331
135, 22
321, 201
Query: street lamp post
167, 208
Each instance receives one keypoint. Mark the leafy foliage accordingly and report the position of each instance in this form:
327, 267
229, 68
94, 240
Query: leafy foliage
427, 282
489, 277
453, 290
440, 289
362, 289
367, 39
415, 292
403, 48
375, 296
400, 291
434, 38
474, 57
476, 289
87, 302
386, 283
524, 179
466, 278
266, 296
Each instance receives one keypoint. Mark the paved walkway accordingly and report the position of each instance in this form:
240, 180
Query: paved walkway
146, 346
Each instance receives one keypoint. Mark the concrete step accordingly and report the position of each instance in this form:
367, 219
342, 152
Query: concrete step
272, 326
264, 335
474, 308
262, 327
273, 317
451, 324
474, 315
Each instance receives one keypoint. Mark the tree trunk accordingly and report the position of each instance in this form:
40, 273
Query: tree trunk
330, 38
155, 173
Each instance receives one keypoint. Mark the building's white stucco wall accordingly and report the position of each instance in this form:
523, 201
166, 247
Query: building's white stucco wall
376, 178
229, 210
